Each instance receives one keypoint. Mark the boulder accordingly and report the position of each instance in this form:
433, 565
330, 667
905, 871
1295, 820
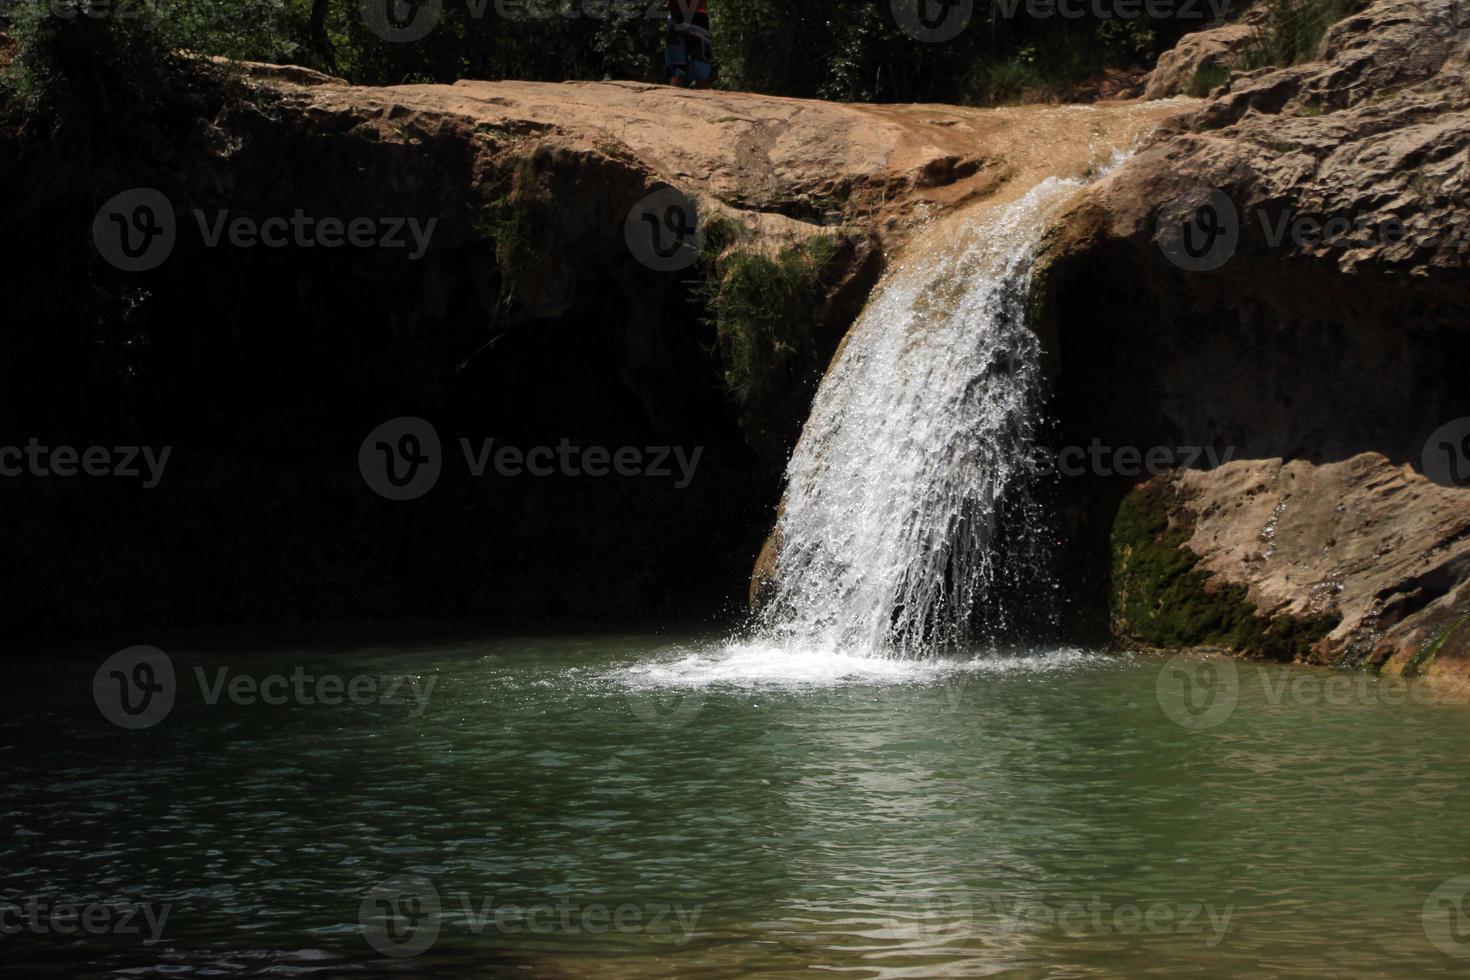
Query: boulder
1202, 59
1360, 563
1281, 274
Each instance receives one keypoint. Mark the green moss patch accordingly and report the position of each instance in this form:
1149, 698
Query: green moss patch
1422, 660
1161, 598
766, 312
506, 221
1207, 78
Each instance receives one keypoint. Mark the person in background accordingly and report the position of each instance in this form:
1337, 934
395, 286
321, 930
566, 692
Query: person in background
689, 57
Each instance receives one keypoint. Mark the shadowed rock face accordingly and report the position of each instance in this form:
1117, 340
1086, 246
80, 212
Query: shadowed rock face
1324, 362
529, 320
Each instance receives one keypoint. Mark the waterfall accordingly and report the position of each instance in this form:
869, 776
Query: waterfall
917, 446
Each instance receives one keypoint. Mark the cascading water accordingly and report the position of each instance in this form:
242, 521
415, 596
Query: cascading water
919, 439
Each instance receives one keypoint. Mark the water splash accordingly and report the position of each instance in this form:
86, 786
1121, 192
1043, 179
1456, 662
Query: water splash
916, 448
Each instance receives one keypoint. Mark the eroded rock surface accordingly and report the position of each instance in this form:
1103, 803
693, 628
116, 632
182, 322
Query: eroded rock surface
528, 319
1196, 58
1286, 279
887, 166
1354, 563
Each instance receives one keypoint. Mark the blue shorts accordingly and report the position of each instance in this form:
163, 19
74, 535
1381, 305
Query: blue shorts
689, 58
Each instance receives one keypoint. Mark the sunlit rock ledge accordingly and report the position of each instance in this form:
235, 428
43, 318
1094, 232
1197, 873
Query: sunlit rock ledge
1321, 337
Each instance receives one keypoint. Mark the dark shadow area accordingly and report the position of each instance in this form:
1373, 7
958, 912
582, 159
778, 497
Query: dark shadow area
262, 370
1261, 359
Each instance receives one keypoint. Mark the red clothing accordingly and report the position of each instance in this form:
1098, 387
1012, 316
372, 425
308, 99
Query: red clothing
689, 17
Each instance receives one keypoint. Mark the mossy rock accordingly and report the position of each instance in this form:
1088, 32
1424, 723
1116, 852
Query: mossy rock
766, 309
1160, 598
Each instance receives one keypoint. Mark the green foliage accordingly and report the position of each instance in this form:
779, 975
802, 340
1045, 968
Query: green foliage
1425, 657
764, 309
65, 62
251, 30
548, 40
1161, 598
1292, 30
845, 50
1206, 79
507, 221
854, 50
79, 59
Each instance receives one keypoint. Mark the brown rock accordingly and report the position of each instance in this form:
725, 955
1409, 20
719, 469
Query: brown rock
1324, 359
786, 165
1372, 542
1197, 53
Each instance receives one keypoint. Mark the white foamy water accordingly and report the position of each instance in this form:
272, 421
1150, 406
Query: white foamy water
916, 449
763, 664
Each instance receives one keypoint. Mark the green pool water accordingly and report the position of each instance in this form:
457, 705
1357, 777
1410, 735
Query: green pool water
682, 806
